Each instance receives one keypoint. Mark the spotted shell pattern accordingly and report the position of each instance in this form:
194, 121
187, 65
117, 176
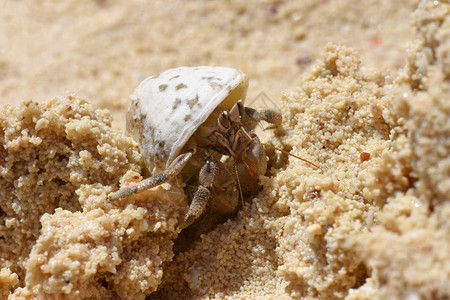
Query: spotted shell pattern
168, 108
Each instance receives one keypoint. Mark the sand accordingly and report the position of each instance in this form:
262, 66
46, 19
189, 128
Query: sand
371, 223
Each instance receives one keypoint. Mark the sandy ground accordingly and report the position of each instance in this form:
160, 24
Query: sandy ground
372, 223
103, 49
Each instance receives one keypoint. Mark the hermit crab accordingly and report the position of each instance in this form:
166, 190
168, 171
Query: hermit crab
191, 121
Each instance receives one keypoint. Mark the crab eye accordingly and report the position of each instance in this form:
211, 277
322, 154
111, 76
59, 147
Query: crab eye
223, 121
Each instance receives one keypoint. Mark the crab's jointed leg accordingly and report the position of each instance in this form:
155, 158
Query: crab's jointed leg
270, 116
210, 173
174, 169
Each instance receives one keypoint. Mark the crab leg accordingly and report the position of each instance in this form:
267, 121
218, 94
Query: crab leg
246, 134
207, 176
268, 115
174, 169
222, 140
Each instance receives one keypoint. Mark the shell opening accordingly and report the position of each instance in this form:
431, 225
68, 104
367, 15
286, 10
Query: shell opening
238, 93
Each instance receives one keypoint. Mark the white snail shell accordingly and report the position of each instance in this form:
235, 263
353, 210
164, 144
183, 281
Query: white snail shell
168, 108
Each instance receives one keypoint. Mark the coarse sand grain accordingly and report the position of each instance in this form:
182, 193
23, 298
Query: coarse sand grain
59, 234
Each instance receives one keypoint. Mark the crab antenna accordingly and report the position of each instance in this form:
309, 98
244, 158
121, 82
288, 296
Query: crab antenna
240, 191
281, 150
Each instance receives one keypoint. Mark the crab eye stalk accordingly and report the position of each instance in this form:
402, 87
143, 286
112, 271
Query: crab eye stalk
241, 109
237, 112
223, 121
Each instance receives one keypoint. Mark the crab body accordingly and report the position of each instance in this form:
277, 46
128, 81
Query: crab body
193, 118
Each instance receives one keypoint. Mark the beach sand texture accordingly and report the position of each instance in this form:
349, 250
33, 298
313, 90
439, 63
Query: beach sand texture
364, 93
